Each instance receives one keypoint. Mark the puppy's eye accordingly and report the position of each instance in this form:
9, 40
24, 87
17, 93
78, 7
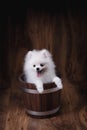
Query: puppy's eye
41, 65
34, 65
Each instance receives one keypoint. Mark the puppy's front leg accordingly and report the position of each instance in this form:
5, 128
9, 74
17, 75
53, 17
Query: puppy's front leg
39, 86
58, 82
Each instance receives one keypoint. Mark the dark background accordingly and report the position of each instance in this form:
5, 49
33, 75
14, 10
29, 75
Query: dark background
59, 26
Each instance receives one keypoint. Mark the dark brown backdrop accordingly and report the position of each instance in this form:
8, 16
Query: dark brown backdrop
61, 30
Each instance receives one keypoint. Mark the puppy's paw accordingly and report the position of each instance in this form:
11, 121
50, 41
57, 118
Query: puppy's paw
40, 89
58, 82
39, 86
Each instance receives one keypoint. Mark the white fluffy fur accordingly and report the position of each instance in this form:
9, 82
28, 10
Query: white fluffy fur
42, 60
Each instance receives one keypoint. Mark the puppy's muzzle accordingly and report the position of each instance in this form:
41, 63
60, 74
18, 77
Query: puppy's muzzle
38, 69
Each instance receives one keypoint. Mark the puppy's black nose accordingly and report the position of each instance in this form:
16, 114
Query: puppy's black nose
38, 69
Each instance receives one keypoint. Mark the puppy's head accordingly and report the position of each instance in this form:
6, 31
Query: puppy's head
38, 61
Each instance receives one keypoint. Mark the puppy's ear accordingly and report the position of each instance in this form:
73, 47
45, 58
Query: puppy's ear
46, 53
29, 54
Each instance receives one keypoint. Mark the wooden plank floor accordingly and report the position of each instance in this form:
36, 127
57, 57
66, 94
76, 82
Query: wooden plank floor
72, 115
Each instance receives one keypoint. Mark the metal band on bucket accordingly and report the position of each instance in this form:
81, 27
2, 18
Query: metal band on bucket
26, 90
45, 113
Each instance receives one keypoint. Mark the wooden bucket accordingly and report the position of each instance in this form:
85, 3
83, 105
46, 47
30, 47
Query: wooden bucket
40, 104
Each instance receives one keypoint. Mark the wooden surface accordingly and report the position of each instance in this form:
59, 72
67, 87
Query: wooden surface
72, 114
63, 32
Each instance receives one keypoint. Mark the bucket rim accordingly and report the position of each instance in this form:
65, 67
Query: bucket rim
22, 81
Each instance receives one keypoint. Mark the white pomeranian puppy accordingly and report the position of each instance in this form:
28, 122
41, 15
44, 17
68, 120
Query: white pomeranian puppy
39, 68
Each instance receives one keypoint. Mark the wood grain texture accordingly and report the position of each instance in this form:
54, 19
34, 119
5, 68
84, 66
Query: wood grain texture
63, 32
77, 50
40, 105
